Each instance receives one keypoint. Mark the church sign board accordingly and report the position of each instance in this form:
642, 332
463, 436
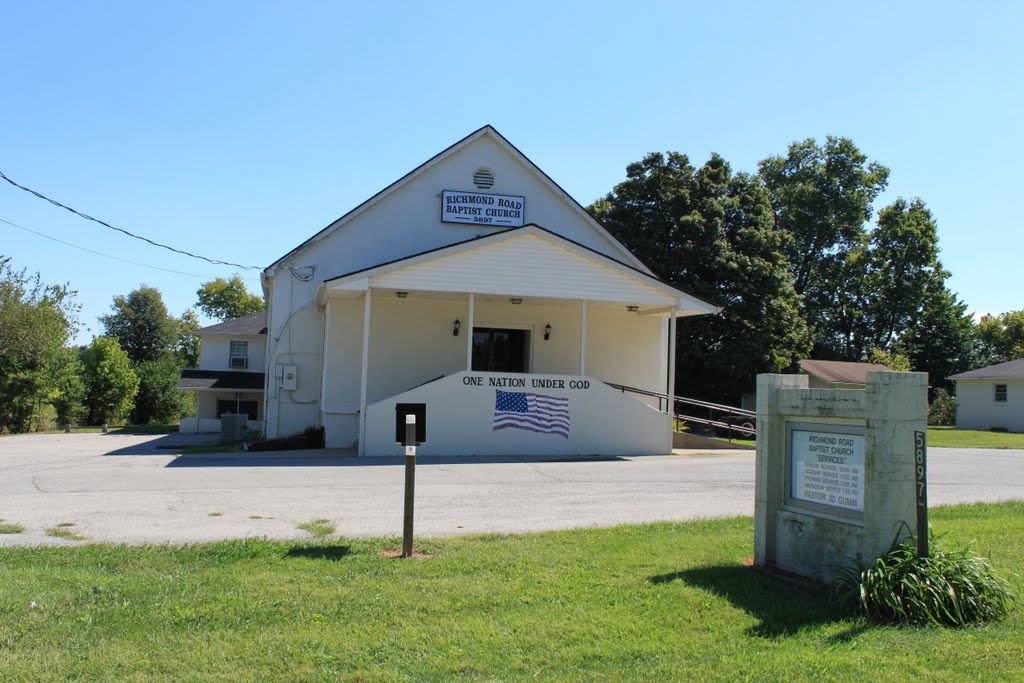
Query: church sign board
826, 466
478, 208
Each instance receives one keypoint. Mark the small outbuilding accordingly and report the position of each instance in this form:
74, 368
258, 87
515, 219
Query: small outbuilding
991, 397
838, 374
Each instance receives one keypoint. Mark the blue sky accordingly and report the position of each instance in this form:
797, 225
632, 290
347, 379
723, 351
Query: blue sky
237, 130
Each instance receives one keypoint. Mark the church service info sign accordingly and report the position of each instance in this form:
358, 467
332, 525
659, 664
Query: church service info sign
478, 208
827, 466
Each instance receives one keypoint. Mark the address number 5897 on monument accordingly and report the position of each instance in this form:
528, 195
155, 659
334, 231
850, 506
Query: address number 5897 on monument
921, 488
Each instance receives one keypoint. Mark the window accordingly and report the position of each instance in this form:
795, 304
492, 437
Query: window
496, 350
1000, 393
247, 408
239, 354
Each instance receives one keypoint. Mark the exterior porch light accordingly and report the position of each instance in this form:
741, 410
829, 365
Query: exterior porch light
547, 332
517, 301
456, 326
401, 295
632, 309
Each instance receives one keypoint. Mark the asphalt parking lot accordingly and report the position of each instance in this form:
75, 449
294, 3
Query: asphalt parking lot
136, 489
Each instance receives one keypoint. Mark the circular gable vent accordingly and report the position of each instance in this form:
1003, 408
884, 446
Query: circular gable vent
483, 178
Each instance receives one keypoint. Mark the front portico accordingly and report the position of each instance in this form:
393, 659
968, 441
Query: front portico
453, 326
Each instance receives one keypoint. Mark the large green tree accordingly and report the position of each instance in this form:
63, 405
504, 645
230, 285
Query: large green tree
942, 339
110, 381
1001, 337
36, 321
822, 198
227, 299
158, 398
141, 324
186, 345
711, 233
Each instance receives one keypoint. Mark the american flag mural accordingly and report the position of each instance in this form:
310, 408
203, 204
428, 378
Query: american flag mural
533, 412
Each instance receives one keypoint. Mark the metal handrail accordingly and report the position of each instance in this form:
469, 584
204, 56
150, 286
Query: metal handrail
663, 399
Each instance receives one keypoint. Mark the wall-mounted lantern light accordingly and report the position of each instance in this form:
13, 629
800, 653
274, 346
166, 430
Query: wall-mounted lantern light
401, 295
632, 309
517, 301
456, 326
547, 332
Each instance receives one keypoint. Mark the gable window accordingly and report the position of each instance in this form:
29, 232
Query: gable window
1000, 393
239, 355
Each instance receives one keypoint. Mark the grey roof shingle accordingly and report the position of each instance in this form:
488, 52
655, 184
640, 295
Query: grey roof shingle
227, 380
250, 324
1013, 369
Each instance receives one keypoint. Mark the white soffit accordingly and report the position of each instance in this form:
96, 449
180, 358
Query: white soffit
529, 266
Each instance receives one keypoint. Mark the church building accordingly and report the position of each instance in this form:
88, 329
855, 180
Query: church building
476, 291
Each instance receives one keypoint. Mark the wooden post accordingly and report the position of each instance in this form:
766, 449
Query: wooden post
410, 483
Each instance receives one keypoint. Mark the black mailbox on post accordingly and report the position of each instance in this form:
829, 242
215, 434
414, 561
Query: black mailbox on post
420, 411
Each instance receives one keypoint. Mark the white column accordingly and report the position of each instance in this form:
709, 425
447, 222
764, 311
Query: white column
671, 380
583, 338
469, 332
362, 383
323, 362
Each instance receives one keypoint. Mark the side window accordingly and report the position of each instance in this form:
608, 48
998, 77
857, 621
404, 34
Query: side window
1000, 393
239, 354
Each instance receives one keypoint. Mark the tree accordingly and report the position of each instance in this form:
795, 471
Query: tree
711, 233
66, 390
141, 324
893, 361
902, 268
1001, 337
110, 382
822, 198
158, 398
186, 348
227, 299
36, 321
941, 341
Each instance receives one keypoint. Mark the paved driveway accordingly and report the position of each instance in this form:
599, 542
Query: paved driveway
134, 489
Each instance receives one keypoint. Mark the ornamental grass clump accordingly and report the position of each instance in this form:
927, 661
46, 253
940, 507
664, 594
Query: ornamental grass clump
947, 588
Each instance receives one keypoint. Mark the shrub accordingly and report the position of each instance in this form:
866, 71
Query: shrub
948, 588
942, 411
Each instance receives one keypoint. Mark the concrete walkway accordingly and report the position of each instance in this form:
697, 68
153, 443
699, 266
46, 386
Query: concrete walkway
135, 489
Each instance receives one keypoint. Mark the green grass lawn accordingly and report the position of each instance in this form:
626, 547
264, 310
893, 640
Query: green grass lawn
659, 602
969, 438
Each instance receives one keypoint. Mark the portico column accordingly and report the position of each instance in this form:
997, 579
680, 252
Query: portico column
583, 338
469, 333
362, 383
671, 380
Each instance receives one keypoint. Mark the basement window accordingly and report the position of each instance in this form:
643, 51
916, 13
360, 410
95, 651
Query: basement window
1000, 393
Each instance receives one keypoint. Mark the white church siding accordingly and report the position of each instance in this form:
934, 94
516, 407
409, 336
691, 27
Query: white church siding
607, 313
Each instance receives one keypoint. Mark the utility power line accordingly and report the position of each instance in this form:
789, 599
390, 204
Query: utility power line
121, 230
110, 256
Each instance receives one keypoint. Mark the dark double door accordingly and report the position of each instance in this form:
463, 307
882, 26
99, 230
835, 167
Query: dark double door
500, 350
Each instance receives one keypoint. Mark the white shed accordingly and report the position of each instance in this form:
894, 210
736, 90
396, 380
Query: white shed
991, 397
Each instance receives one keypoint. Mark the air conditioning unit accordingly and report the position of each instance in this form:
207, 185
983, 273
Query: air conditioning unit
239, 362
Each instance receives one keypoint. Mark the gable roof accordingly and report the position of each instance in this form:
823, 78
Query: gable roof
1013, 369
486, 130
250, 324
632, 283
841, 372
